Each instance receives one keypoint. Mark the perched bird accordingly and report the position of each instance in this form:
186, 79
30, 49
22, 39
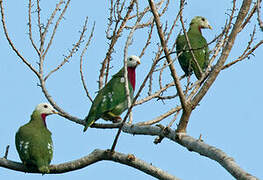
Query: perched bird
198, 44
111, 100
33, 140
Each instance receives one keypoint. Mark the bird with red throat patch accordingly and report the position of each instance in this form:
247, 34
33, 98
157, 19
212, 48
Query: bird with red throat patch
33, 140
111, 100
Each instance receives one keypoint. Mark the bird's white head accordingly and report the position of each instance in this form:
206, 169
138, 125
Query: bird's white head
201, 22
133, 61
45, 109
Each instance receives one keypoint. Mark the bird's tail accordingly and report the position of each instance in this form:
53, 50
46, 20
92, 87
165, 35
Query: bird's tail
89, 121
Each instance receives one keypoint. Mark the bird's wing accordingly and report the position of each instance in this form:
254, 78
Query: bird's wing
21, 142
183, 54
110, 96
201, 53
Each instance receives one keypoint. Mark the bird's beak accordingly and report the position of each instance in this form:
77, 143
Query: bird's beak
210, 27
54, 112
138, 62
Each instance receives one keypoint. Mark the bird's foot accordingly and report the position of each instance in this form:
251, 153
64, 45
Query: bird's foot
117, 119
43, 170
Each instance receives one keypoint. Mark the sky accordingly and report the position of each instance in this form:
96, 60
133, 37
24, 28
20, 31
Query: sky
229, 116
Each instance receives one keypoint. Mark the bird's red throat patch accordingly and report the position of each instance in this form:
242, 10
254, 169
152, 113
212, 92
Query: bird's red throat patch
199, 28
131, 76
43, 116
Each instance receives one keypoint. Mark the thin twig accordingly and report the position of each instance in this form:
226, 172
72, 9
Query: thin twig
59, 109
72, 51
55, 28
6, 151
166, 51
160, 118
226, 50
114, 38
244, 56
30, 28
148, 41
127, 91
50, 20
250, 15
40, 27
81, 61
189, 44
11, 43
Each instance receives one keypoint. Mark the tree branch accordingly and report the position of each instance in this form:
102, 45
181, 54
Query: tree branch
55, 28
11, 43
94, 157
188, 42
30, 27
114, 38
127, 91
259, 16
193, 145
167, 54
81, 62
53, 103
49, 22
161, 117
72, 51
226, 50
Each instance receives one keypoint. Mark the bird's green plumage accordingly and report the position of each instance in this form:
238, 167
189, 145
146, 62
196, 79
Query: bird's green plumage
111, 100
34, 144
199, 46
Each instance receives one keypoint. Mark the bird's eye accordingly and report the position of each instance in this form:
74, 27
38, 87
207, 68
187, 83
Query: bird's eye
203, 19
129, 59
45, 106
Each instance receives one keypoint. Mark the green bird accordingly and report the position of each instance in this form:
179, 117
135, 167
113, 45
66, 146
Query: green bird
33, 140
198, 44
111, 100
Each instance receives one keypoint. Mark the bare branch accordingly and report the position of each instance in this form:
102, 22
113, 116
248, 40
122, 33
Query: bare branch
81, 60
96, 156
148, 41
40, 27
122, 16
11, 43
72, 51
166, 51
193, 145
154, 95
110, 19
250, 15
114, 38
248, 51
188, 42
173, 120
127, 91
259, 14
49, 22
55, 28
30, 28
148, 9
243, 56
6, 151
53, 103
213, 75
161, 117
